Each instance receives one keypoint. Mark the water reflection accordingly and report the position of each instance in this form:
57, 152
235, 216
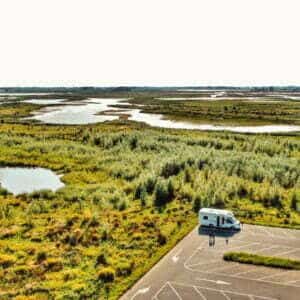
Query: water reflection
26, 180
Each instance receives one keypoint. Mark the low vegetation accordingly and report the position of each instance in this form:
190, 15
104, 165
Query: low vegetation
131, 193
237, 111
268, 261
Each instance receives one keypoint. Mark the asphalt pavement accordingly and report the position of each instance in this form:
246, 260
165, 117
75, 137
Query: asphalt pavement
196, 270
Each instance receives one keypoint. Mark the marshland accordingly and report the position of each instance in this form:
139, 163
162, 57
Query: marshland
131, 191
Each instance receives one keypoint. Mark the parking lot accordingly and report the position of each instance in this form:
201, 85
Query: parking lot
195, 270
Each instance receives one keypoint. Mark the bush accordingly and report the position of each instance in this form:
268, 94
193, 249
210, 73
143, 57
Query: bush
161, 239
3, 191
123, 205
124, 269
54, 264
187, 175
164, 193
6, 260
197, 204
295, 202
42, 194
269, 261
171, 168
41, 256
101, 260
187, 193
143, 198
106, 275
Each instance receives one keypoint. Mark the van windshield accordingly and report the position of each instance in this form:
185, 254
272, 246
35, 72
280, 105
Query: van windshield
230, 220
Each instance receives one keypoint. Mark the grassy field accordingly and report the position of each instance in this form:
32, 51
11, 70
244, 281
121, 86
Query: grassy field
260, 260
131, 192
230, 112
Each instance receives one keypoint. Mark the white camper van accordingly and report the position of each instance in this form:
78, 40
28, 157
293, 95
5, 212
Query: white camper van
218, 218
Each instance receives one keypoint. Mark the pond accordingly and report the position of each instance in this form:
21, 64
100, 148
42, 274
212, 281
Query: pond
76, 113
102, 109
44, 101
18, 180
158, 120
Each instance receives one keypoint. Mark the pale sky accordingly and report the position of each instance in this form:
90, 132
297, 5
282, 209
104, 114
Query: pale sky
149, 42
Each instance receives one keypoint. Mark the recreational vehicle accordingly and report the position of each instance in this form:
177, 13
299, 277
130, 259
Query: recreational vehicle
218, 218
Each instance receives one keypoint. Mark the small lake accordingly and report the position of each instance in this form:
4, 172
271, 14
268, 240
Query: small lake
157, 120
44, 101
102, 109
80, 112
19, 180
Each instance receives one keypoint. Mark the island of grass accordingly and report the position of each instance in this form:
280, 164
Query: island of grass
260, 260
131, 193
237, 111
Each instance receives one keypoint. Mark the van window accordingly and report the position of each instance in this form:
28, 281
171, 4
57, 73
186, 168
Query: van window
229, 221
205, 217
223, 220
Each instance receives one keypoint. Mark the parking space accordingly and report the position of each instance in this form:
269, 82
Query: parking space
196, 270
210, 259
173, 290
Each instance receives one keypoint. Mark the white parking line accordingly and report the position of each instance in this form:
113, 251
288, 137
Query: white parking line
288, 234
238, 247
288, 251
266, 231
272, 275
239, 277
293, 282
225, 295
231, 265
203, 264
222, 291
245, 272
278, 274
195, 252
188, 266
175, 292
264, 249
276, 235
159, 291
199, 292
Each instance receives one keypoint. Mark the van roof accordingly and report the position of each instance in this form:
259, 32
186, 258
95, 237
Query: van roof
215, 211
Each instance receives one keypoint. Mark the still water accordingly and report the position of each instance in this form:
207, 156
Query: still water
101, 110
19, 180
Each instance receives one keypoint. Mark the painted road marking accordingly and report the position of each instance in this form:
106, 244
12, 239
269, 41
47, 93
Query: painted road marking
141, 291
214, 281
176, 257
173, 289
199, 292
221, 291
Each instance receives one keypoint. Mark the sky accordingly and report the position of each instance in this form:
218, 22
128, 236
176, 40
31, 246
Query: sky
149, 43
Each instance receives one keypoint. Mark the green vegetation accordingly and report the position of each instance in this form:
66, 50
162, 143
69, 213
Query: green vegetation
131, 193
231, 112
13, 112
268, 261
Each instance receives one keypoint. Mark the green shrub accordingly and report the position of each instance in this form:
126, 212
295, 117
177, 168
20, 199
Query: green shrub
164, 193
4, 192
101, 260
295, 202
124, 269
197, 204
161, 239
41, 256
7, 260
269, 261
171, 168
106, 275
